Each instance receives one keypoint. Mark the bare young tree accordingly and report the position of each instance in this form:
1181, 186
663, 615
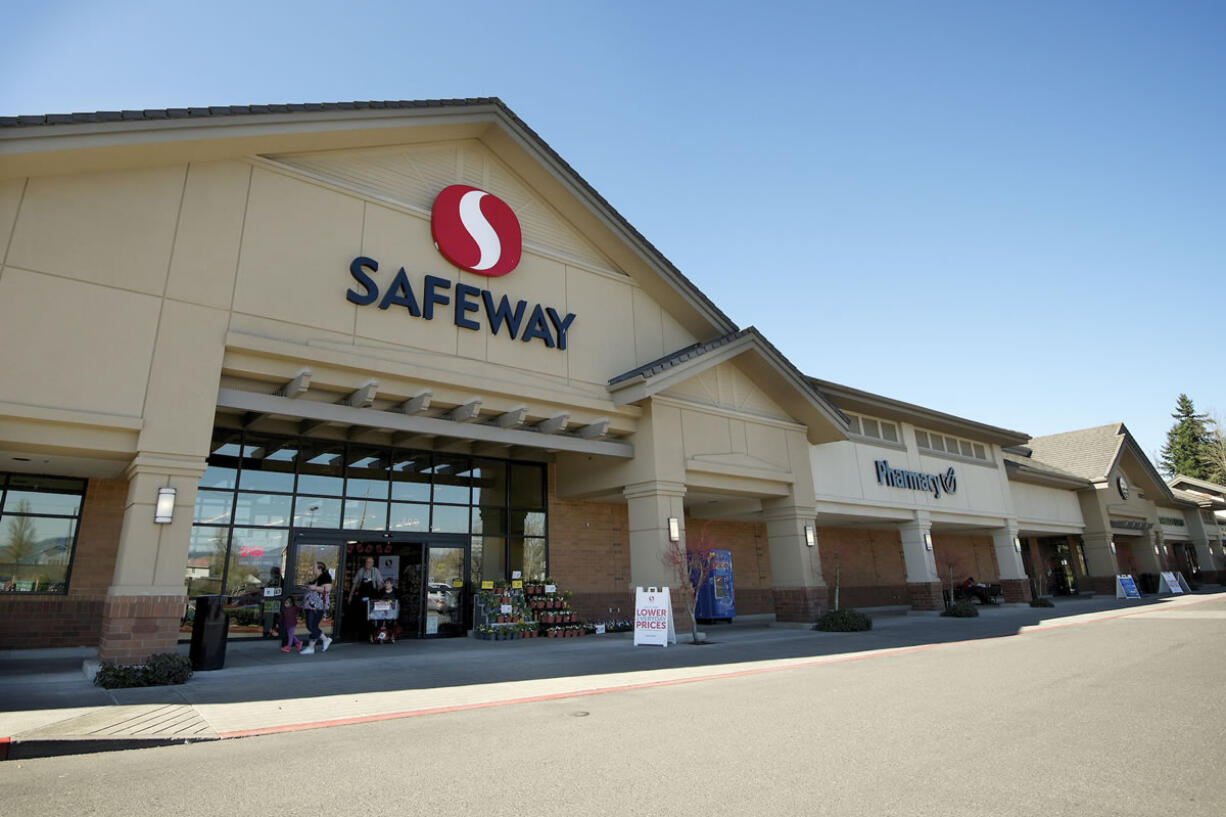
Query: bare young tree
1213, 452
691, 569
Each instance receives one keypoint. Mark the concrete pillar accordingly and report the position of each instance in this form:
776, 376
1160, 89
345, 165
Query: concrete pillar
145, 601
923, 581
1147, 550
650, 506
1007, 545
1207, 556
1101, 562
796, 569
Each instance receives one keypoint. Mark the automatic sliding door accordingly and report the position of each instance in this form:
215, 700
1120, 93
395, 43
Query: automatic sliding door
446, 591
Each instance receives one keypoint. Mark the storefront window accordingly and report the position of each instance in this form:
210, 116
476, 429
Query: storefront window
527, 486
411, 477
317, 512
38, 531
258, 488
206, 559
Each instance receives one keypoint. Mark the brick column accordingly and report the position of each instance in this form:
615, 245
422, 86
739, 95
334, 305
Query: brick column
145, 601
797, 587
799, 603
1008, 547
925, 596
1017, 591
1101, 562
923, 584
650, 505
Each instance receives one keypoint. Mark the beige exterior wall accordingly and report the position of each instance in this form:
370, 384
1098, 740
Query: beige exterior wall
1043, 510
845, 476
129, 296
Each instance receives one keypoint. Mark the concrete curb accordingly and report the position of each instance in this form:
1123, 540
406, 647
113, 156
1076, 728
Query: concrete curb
33, 745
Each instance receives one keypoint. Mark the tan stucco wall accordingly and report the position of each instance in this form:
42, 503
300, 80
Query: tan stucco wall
1042, 509
844, 473
153, 266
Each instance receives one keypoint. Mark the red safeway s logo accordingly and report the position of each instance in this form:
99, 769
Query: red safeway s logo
476, 230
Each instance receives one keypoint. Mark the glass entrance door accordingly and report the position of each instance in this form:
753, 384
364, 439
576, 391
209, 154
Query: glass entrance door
305, 553
446, 591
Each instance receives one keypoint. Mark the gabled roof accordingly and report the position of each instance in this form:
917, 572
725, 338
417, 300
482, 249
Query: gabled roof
888, 408
1092, 453
1089, 453
1202, 492
1201, 486
1022, 467
130, 136
779, 377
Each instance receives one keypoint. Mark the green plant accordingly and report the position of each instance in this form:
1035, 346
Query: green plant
844, 621
1042, 601
963, 609
158, 670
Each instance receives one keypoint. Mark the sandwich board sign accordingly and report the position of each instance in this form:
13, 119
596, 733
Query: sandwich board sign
653, 617
1169, 583
1126, 587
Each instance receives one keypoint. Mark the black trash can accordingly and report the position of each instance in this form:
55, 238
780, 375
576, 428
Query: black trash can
209, 628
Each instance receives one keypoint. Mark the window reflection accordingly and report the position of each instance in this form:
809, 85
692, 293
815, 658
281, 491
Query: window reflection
258, 487
38, 531
317, 512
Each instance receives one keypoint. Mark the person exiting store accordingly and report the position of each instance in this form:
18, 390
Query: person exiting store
367, 584
315, 603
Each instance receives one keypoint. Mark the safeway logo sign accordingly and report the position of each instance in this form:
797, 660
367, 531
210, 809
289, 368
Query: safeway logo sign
476, 230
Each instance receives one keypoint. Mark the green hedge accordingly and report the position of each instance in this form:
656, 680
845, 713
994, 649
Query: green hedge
844, 621
963, 609
158, 670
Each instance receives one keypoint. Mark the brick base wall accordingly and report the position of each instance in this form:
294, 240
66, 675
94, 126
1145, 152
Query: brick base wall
1017, 591
802, 604
926, 595
753, 601
135, 627
881, 596
33, 622
1103, 585
1209, 577
601, 606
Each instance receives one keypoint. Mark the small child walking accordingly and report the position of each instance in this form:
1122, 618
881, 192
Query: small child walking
289, 623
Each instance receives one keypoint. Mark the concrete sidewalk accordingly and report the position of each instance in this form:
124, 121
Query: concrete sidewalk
48, 707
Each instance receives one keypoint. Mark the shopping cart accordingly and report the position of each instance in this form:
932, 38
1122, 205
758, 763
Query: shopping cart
381, 617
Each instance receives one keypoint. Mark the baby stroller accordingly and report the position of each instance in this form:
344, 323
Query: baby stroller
381, 617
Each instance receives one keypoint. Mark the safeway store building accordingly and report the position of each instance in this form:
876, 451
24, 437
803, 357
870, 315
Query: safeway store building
242, 339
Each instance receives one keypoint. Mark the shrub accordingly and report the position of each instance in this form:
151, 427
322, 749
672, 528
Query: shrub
1042, 601
167, 668
844, 621
962, 609
158, 670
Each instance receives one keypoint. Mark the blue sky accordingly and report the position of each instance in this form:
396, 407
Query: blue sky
1010, 211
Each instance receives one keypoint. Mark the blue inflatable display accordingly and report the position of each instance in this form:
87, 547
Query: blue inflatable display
716, 598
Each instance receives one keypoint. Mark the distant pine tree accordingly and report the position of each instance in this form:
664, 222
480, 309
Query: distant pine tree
1186, 442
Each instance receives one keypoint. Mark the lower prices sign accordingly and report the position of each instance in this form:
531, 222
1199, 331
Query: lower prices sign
653, 617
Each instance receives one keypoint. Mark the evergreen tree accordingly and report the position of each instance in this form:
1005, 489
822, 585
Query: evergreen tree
1186, 442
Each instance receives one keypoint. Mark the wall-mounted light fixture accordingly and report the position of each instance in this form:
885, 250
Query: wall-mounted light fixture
1113, 546
164, 510
928, 541
1017, 543
674, 529
810, 536
1155, 550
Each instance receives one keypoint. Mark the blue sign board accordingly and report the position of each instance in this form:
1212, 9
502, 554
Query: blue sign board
1126, 588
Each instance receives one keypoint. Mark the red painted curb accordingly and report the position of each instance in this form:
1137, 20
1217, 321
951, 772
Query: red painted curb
821, 661
4, 748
